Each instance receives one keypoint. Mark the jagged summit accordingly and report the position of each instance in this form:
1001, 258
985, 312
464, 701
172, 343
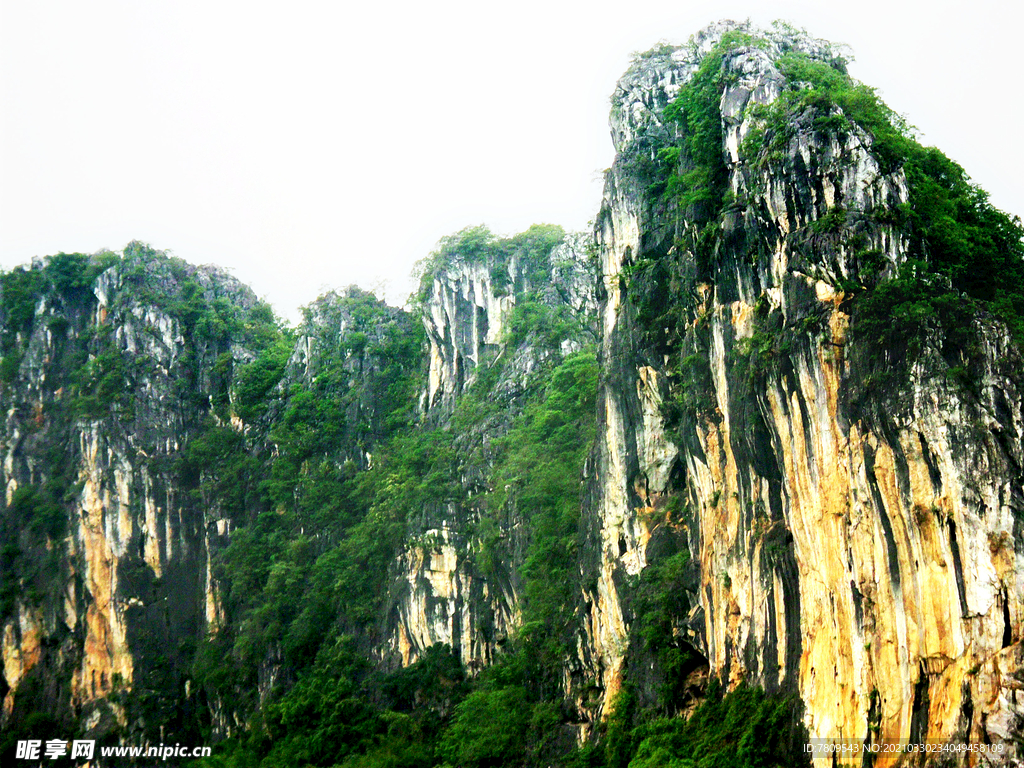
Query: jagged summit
798, 283
655, 76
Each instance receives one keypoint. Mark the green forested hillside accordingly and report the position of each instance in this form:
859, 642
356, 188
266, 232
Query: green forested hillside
232, 532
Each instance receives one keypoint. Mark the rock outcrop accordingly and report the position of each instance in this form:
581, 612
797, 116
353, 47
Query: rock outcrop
468, 300
469, 306
857, 544
106, 572
147, 399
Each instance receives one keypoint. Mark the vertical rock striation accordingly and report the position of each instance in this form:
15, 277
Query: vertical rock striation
468, 298
128, 437
858, 544
106, 573
478, 343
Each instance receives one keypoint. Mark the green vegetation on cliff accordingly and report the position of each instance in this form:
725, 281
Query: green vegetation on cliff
82, 379
306, 574
306, 469
961, 255
525, 257
962, 250
744, 728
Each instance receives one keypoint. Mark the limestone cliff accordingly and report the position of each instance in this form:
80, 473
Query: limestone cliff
808, 471
106, 564
478, 299
468, 299
854, 514
170, 454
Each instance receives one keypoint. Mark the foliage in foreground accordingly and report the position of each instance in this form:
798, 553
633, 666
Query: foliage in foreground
744, 728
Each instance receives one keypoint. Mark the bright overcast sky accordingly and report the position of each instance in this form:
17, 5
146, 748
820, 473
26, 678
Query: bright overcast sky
309, 145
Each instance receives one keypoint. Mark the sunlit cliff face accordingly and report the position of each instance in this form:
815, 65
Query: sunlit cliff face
862, 553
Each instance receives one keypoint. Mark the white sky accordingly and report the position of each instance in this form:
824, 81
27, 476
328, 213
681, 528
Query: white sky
307, 145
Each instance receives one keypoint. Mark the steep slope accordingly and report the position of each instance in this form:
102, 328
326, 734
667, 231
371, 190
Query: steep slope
374, 587
224, 502
111, 367
814, 398
744, 467
499, 316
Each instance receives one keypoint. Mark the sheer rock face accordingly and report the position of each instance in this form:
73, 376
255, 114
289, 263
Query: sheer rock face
857, 545
468, 306
124, 590
464, 316
125, 577
863, 551
438, 593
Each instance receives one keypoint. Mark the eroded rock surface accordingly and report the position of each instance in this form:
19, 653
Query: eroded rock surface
859, 546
